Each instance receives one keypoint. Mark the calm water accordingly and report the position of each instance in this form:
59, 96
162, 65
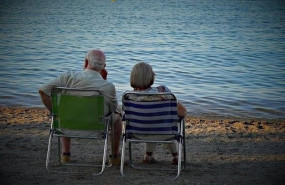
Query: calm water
221, 58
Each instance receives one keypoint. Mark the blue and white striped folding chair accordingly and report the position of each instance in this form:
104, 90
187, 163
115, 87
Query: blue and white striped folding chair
152, 114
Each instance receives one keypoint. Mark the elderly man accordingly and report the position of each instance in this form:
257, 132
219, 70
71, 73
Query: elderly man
93, 76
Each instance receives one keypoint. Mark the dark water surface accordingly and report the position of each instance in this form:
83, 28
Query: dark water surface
221, 58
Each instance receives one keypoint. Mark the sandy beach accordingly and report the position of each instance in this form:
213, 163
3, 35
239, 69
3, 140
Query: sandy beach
219, 151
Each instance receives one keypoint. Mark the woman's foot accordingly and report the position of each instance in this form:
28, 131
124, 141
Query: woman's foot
175, 159
148, 158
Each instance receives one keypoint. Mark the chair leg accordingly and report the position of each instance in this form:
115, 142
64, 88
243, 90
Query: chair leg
59, 149
104, 156
48, 151
179, 160
49, 154
184, 152
123, 157
130, 154
184, 144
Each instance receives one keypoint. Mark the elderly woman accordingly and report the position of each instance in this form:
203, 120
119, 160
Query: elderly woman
141, 79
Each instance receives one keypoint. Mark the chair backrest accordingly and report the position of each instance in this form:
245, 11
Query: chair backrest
77, 112
147, 113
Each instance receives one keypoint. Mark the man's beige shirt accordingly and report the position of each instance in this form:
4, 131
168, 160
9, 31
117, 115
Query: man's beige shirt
86, 79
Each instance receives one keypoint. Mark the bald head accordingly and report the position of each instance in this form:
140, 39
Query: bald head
95, 59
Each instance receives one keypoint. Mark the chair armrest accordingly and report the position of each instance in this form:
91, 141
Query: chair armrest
180, 118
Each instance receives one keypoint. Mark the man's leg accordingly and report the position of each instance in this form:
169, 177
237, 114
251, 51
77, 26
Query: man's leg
116, 135
65, 157
115, 138
66, 144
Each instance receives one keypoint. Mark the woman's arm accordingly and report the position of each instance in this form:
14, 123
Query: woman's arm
181, 110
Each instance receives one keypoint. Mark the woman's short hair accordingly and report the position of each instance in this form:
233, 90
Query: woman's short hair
96, 59
142, 76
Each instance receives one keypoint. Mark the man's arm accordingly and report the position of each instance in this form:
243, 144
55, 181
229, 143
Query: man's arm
46, 100
45, 90
111, 99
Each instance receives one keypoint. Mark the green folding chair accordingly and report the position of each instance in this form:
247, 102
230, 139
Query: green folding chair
73, 116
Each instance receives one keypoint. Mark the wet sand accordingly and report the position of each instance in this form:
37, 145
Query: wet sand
219, 151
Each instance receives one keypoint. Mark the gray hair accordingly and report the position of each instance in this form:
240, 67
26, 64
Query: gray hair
96, 59
142, 76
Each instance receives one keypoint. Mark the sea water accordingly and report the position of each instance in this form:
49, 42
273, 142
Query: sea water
220, 58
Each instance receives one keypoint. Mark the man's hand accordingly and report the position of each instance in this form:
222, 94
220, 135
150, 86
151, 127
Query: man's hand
104, 73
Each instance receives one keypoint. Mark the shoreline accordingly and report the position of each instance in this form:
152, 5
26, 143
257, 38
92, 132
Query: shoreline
193, 125
27, 115
41, 110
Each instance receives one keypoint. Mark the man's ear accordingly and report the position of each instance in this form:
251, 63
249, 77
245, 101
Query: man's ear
85, 63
